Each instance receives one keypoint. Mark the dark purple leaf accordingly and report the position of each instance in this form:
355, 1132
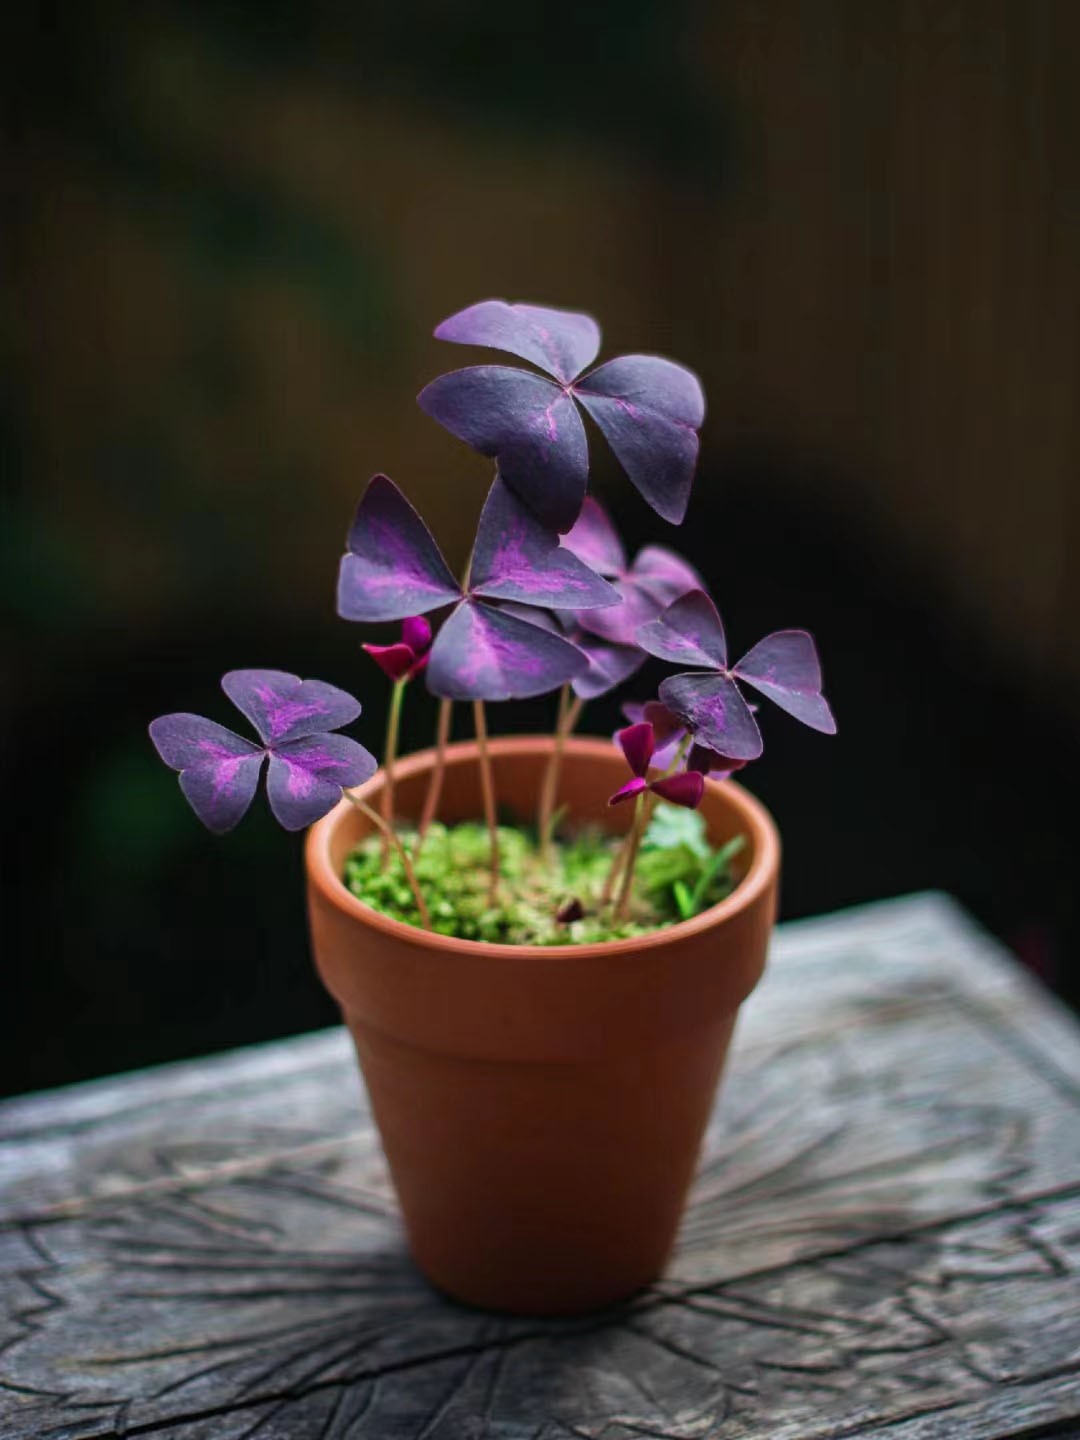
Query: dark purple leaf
219, 771
663, 574
637, 743
394, 569
619, 624
708, 762
710, 705
785, 668
609, 665
562, 342
416, 633
649, 409
689, 632
633, 787
516, 558
595, 541
283, 707
535, 615
686, 789
656, 578
482, 653
528, 424
306, 776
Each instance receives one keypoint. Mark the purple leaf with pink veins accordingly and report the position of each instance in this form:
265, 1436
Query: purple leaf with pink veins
656, 578
393, 569
648, 408
594, 540
689, 632
283, 707
479, 653
306, 777
219, 770
516, 558
562, 342
608, 665
528, 425
784, 666
484, 653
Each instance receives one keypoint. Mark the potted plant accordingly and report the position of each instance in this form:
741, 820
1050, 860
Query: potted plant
540, 944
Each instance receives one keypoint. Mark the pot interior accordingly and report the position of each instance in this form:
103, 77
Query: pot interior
518, 765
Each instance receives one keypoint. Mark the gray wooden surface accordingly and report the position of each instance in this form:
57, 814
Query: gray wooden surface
884, 1239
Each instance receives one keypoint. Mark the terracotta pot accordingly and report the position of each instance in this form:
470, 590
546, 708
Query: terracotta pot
541, 1107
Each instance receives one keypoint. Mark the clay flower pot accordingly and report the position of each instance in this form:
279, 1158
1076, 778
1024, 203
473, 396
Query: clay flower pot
541, 1107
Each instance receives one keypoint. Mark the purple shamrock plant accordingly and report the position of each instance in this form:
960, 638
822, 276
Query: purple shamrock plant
548, 602
648, 408
606, 636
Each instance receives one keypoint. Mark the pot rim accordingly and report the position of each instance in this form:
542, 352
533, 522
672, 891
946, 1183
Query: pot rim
752, 814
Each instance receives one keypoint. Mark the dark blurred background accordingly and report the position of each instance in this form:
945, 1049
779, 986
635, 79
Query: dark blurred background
228, 233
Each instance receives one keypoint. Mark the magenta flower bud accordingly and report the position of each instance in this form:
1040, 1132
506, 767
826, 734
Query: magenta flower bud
416, 633
686, 788
637, 743
629, 790
395, 661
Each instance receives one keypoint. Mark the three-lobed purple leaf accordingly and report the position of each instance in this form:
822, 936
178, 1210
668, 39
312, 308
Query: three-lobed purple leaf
308, 765
480, 652
648, 408
784, 667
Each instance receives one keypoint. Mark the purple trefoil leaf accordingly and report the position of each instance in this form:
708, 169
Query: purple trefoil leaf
649, 409
656, 578
480, 652
309, 766
784, 666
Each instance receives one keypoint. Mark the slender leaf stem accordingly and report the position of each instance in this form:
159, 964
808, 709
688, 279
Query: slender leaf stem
487, 787
390, 837
622, 905
434, 790
568, 716
651, 802
393, 726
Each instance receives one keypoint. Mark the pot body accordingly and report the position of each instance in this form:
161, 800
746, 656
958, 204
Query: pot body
541, 1107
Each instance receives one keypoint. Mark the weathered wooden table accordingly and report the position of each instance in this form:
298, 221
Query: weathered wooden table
884, 1239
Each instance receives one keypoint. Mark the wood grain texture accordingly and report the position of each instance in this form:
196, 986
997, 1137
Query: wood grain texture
884, 1238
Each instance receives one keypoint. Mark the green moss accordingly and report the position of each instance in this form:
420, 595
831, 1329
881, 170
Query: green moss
678, 873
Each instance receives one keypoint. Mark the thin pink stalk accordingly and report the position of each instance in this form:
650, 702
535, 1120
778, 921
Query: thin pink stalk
390, 837
487, 786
